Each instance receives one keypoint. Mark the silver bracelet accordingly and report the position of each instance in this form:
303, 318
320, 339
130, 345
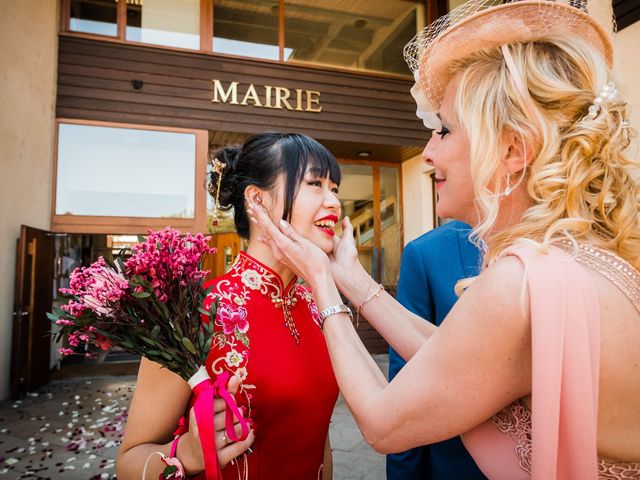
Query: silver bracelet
339, 308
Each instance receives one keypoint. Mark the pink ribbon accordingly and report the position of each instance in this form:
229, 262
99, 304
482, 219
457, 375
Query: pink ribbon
231, 409
204, 393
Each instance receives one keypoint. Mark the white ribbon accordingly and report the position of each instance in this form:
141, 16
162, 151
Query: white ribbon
198, 377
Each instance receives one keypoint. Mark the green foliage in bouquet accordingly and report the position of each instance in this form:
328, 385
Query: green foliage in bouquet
149, 304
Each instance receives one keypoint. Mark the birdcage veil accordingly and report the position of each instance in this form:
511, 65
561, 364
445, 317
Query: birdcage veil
478, 24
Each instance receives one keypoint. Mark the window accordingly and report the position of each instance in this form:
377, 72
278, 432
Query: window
364, 35
248, 28
361, 35
99, 17
357, 35
174, 23
149, 176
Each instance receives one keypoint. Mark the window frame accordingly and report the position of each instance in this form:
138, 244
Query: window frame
433, 8
134, 225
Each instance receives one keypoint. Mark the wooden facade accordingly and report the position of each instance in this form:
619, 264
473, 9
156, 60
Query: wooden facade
95, 82
103, 82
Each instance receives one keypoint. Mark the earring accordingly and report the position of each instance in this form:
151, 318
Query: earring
510, 189
507, 191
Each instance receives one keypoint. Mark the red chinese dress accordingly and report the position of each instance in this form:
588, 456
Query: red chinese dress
267, 333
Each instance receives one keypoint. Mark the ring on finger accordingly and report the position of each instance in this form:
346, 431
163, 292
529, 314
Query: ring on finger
225, 439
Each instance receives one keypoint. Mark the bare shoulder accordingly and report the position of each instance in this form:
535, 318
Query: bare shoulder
499, 294
506, 272
493, 313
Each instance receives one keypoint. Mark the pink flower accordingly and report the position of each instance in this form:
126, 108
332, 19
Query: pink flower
64, 322
73, 308
232, 317
96, 287
74, 339
95, 305
168, 256
103, 342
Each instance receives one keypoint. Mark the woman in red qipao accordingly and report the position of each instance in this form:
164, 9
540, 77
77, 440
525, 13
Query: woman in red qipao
267, 332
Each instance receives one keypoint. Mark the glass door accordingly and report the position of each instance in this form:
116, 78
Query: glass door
390, 238
370, 196
357, 201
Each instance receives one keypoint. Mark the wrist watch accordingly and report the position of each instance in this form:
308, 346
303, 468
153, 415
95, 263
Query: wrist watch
327, 312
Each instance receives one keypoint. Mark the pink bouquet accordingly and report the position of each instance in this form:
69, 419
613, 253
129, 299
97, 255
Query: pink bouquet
151, 304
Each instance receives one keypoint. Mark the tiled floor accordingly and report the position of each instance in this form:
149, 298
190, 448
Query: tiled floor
353, 458
70, 429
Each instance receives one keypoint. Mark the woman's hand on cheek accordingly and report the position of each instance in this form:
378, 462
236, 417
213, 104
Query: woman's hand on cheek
297, 253
344, 257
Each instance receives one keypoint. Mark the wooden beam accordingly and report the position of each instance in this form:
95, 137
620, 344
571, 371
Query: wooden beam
122, 19
206, 25
377, 228
65, 13
281, 37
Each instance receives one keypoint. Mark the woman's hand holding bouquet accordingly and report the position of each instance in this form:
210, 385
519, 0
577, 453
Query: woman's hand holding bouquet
151, 304
190, 446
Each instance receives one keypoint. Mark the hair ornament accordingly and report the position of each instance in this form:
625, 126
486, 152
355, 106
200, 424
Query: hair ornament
608, 93
217, 167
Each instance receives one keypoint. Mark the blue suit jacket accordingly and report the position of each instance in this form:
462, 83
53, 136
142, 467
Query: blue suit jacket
431, 266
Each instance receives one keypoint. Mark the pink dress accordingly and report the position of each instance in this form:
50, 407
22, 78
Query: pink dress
565, 337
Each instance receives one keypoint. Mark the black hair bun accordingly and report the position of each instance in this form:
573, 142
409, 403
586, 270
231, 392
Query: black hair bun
228, 156
259, 162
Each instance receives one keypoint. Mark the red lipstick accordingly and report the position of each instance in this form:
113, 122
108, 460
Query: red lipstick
326, 229
331, 217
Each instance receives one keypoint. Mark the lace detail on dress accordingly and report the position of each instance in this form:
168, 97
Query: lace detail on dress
515, 419
613, 267
618, 471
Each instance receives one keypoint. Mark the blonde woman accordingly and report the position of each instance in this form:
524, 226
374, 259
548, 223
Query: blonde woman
537, 365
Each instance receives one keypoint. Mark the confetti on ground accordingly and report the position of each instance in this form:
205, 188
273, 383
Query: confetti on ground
67, 429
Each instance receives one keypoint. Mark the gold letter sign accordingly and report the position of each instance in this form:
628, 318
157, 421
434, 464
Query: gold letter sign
268, 96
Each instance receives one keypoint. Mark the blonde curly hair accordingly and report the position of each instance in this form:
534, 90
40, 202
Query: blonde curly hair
580, 182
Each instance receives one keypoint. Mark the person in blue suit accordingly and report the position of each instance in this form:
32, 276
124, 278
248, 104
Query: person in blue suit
431, 266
